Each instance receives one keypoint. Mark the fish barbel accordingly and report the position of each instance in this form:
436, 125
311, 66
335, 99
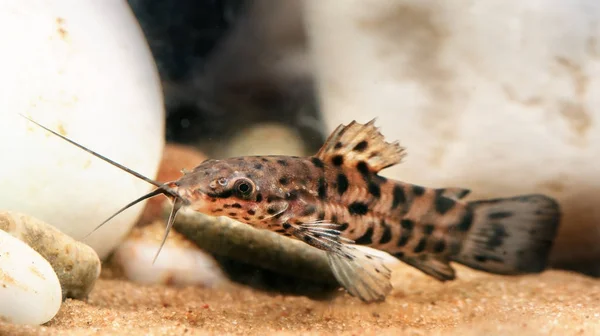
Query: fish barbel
336, 199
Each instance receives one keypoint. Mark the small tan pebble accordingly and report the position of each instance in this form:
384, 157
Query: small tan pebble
175, 158
180, 262
76, 264
266, 139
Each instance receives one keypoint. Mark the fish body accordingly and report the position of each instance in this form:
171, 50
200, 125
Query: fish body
337, 198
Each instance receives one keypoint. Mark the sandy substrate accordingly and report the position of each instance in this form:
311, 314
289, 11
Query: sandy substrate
554, 302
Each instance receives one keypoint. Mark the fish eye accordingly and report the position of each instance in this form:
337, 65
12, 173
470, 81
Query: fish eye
244, 187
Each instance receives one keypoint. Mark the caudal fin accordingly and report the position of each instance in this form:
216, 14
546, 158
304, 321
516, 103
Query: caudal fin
510, 235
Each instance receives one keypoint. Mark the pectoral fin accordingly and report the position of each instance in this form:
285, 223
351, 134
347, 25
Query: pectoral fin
363, 275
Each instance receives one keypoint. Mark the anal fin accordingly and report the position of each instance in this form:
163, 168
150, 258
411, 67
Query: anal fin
363, 275
430, 265
349, 145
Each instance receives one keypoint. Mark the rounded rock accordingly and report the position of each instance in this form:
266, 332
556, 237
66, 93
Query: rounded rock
30, 292
193, 267
109, 101
76, 264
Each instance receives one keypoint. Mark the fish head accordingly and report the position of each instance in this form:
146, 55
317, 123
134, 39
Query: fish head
237, 188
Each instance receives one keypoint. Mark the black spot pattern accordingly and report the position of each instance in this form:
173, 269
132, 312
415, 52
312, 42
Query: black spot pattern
399, 197
361, 146
358, 208
236, 205
343, 227
420, 246
286, 226
284, 180
366, 238
404, 237
258, 166
362, 168
259, 198
407, 227
439, 246
407, 224
342, 183
418, 190
428, 229
271, 210
500, 215
387, 234
337, 160
497, 236
443, 204
466, 221
338, 145
480, 258
282, 162
322, 188
317, 162
374, 189
251, 212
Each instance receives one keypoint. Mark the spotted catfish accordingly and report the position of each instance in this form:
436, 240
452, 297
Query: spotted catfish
336, 198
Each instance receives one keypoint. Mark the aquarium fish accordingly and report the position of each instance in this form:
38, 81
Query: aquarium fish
336, 199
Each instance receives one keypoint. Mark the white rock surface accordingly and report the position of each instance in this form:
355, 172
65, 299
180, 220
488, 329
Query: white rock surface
82, 68
180, 262
502, 97
29, 289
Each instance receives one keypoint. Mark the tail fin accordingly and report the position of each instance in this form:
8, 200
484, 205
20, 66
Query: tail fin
510, 235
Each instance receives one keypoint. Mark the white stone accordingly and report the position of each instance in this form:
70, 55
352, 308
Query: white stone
502, 97
82, 68
180, 262
30, 292
193, 267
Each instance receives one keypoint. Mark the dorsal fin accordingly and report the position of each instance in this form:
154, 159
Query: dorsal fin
348, 145
453, 193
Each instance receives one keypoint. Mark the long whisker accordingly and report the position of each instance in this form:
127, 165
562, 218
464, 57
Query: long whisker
177, 204
151, 194
102, 157
164, 189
